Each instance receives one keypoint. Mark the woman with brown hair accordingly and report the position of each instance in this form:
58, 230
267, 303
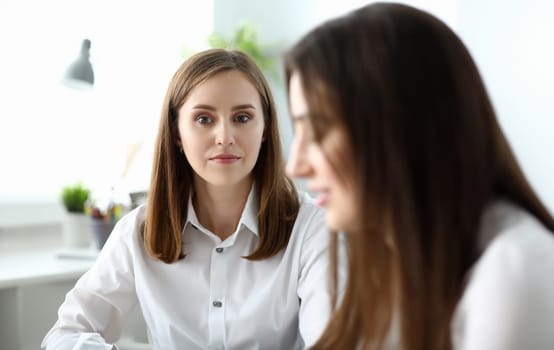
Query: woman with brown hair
226, 254
448, 246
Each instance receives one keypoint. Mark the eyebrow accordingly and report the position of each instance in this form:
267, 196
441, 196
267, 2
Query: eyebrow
237, 107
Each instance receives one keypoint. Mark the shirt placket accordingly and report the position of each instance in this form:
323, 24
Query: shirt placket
216, 317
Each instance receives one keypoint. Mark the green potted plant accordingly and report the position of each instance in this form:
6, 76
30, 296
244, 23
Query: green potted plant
76, 224
74, 197
245, 39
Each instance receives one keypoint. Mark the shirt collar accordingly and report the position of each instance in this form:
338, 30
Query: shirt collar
248, 218
192, 219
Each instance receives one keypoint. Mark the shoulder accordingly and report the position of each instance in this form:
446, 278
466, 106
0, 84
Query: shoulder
124, 244
510, 293
520, 258
517, 244
129, 227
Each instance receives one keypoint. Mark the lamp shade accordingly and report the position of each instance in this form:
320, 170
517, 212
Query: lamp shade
80, 71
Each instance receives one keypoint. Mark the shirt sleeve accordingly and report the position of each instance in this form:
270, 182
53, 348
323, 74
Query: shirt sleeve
313, 284
92, 315
509, 302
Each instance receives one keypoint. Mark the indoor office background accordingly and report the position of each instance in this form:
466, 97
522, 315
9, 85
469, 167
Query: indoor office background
52, 135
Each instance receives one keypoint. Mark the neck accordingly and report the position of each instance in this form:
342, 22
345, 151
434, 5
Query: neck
219, 208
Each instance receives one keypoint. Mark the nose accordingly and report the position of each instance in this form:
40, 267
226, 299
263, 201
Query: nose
298, 164
224, 134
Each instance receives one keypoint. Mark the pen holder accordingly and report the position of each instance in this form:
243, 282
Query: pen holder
102, 229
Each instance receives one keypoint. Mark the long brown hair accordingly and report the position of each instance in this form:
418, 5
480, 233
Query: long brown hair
171, 179
429, 157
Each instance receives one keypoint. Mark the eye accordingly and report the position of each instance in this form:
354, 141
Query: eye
204, 119
242, 118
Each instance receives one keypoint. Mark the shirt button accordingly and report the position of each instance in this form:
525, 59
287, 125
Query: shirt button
219, 250
217, 304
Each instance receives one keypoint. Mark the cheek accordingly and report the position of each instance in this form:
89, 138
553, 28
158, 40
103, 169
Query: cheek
335, 174
318, 161
253, 153
344, 183
254, 141
192, 146
181, 134
257, 135
187, 143
190, 136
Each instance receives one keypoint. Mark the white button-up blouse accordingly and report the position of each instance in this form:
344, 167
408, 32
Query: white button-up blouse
213, 298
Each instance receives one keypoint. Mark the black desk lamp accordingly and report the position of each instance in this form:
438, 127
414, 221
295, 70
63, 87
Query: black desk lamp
80, 73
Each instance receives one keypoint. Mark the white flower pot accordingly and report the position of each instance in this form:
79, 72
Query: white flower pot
77, 230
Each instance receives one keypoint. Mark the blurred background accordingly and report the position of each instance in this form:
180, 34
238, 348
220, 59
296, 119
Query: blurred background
52, 134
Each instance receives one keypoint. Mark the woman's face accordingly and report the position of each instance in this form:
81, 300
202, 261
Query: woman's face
221, 127
310, 160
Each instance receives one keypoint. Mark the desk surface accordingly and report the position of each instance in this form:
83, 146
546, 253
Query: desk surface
33, 267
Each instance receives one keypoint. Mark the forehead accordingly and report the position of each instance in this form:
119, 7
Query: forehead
225, 87
298, 104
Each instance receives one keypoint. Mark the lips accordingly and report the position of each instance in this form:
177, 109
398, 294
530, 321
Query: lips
225, 158
321, 195
322, 199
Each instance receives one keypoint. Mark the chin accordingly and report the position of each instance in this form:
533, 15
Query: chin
340, 221
333, 222
225, 181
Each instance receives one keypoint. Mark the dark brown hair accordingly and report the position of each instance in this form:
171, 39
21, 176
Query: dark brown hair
429, 157
171, 179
